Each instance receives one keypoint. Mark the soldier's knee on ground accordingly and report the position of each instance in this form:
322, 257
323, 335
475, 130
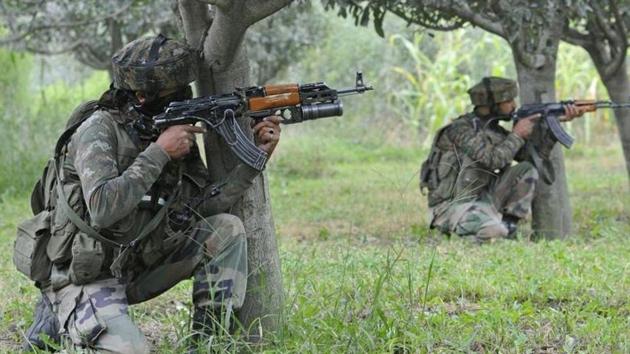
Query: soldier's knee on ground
491, 232
122, 336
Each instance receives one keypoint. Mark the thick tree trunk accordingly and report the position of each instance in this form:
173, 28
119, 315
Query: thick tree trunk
551, 209
225, 67
618, 87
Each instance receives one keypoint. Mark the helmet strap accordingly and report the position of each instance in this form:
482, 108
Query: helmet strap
154, 51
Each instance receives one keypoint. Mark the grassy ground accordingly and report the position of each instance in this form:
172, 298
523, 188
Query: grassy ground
362, 274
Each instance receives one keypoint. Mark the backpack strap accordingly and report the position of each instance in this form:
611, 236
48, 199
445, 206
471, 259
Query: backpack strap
73, 216
62, 142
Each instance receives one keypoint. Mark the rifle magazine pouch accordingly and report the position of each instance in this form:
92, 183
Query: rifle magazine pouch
29, 251
63, 230
87, 259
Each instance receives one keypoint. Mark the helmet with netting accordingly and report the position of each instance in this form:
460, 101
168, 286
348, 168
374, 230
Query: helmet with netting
492, 90
154, 64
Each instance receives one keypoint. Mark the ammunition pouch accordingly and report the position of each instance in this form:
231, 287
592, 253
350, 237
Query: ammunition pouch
87, 259
29, 250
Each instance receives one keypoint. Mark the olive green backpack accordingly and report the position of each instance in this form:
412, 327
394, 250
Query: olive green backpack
29, 251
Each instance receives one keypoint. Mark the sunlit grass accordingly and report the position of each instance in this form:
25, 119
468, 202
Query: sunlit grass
356, 255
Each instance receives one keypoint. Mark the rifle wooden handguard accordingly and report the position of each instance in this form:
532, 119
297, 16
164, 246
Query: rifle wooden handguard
275, 101
271, 90
586, 105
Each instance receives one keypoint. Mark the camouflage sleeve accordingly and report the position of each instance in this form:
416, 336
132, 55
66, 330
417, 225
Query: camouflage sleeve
110, 196
476, 146
231, 189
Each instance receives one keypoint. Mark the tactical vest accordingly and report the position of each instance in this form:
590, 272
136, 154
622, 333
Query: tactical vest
33, 235
451, 175
84, 257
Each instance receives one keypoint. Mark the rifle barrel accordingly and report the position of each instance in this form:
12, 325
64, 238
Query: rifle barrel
351, 91
610, 104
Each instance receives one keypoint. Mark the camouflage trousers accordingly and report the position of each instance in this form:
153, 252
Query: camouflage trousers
511, 194
95, 316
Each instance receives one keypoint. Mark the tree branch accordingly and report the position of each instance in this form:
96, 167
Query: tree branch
402, 14
196, 20
606, 44
575, 37
256, 10
463, 10
34, 29
41, 50
602, 23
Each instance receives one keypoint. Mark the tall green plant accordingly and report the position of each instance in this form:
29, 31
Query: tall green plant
13, 103
32, 119
434, 87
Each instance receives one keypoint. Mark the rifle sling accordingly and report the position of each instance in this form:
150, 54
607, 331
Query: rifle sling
85, 227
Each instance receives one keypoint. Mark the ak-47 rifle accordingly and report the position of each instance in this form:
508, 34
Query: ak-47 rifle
550, 113
294, 103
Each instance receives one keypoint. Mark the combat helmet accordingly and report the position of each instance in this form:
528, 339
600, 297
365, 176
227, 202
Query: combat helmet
154, 64
492, 90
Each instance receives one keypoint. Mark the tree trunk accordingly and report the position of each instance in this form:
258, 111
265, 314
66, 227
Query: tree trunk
225, 67
618, 87
551, 209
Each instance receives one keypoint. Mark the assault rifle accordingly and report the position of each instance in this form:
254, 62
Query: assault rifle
551, 111
551, 127
294, 103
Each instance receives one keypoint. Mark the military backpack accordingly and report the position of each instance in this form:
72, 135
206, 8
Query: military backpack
33, 234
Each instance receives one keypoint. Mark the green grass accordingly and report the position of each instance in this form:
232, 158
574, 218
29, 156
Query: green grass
362, 273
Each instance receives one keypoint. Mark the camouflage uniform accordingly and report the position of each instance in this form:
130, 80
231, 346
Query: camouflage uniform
122, 186
118, 182
471, 180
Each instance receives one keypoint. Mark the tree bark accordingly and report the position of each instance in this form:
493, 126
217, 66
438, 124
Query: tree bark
618, 87
225, 67
551, 209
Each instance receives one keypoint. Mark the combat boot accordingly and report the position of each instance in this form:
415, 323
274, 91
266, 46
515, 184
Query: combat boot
511, 224
207, 323
44, 324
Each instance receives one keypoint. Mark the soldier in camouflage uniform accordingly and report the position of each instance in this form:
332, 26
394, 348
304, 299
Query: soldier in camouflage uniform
473, 187
120, 179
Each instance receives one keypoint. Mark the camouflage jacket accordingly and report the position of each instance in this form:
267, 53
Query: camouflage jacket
467, 156
118, 183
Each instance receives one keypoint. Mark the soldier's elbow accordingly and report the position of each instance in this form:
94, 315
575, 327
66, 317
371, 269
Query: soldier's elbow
100, 220
100, 215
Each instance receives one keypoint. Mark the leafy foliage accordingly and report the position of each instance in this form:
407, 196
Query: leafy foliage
278, 41
91, 30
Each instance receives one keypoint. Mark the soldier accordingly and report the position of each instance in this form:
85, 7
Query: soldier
124, 182
473, 187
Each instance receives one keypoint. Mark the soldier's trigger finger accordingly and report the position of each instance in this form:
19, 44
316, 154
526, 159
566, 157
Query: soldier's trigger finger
275, 119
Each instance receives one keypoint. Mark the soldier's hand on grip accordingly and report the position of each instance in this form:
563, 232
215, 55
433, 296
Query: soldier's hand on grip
267, 133
525, 126
571, 111
178, 139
